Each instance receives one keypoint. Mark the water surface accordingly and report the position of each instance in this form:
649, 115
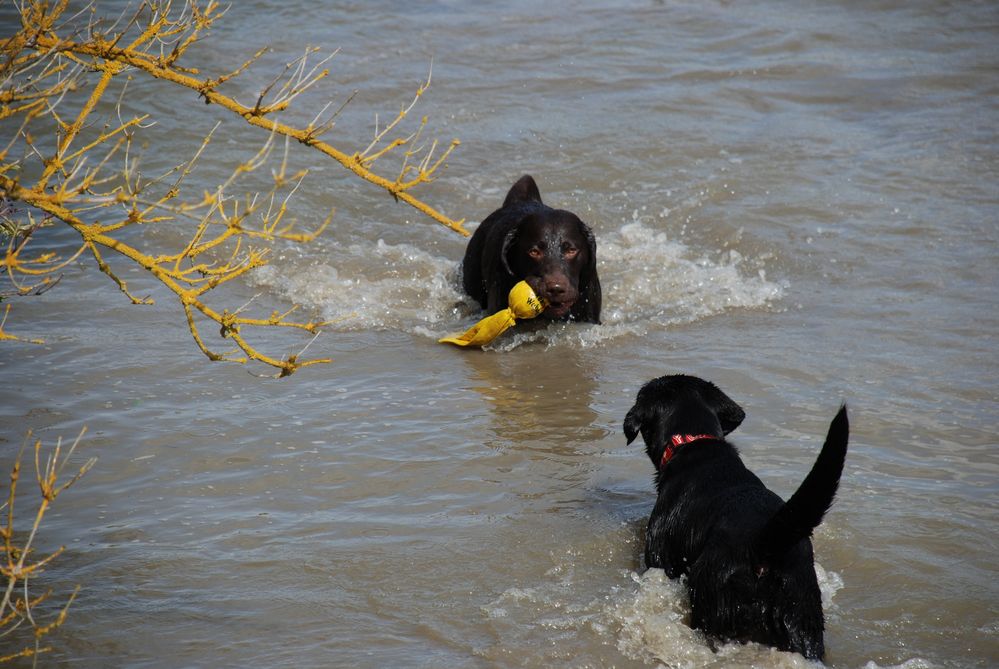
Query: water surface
797, 201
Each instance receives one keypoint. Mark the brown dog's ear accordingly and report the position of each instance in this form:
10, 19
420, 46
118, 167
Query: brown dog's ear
632, 424
525, 190
591, 247
589, 282
508, 241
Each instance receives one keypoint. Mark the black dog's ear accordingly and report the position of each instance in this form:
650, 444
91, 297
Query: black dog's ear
525, 190
731, 417
632, 424
729, 414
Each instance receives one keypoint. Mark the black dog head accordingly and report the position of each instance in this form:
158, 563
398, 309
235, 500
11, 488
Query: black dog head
551, 249
679, 404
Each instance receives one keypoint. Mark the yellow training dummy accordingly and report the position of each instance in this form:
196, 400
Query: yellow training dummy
523, 304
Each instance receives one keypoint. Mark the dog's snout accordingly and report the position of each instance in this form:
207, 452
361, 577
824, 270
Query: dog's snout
556, 287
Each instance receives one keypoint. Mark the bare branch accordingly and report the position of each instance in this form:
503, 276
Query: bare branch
17, 562
66, 171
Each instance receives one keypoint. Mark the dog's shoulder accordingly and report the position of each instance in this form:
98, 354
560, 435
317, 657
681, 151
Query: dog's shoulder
701, 490
714, 462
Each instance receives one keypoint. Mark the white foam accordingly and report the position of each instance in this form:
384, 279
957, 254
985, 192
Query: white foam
380, 286
652, 626
648, 281
648, 277
829, 584
651, 622
914, 663
645, 616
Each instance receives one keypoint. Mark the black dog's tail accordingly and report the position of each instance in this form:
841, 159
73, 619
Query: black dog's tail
804, 511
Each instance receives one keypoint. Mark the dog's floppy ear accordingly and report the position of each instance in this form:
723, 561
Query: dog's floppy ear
591, 244
525, 190
633, 423
589, 282
731, 417
729, 414
508, 242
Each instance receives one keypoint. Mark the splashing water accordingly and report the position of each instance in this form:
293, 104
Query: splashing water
652, 617
378, 287
646, 616
647, 279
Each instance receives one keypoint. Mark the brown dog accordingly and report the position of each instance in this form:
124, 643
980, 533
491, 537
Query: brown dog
551, 249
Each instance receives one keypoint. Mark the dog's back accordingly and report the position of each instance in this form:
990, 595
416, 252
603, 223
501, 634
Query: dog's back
754, 580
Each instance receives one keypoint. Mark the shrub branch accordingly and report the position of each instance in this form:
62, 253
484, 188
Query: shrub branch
63, 173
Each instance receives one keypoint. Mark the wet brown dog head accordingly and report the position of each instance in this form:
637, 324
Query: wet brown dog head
526, 240
551, 249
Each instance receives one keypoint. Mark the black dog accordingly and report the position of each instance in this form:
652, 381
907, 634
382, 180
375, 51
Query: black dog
747, 555
551, 249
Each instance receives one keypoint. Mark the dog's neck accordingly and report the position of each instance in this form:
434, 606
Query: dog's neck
678, 440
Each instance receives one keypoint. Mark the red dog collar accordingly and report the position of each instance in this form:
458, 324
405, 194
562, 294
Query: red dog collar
678, 440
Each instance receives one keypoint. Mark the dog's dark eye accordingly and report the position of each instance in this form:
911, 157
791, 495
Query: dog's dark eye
536, 253
570, 252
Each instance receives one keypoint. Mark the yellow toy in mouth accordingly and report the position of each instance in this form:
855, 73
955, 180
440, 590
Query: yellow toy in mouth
523, 304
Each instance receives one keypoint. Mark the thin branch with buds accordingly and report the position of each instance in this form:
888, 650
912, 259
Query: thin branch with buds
18, 563
65, 174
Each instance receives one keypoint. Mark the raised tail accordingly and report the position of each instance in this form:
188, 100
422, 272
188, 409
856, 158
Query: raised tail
804, 511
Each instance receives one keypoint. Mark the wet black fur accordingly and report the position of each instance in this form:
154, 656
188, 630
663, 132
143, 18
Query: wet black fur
497, 256
746, 553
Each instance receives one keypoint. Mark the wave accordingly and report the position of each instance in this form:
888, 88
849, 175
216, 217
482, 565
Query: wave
648, 281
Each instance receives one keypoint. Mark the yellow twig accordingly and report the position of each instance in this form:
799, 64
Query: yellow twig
17, 566
64, 174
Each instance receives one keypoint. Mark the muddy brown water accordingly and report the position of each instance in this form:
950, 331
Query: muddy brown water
797, 201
